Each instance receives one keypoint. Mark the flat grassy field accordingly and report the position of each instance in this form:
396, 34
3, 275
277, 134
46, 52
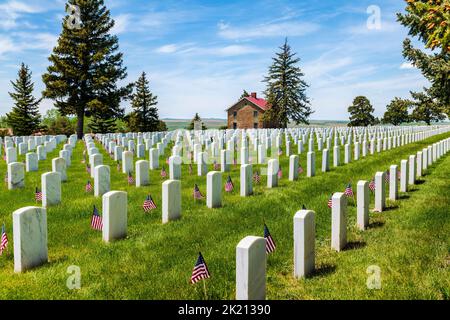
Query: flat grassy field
410, 242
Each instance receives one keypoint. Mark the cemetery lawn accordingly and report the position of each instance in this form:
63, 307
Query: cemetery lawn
410, 242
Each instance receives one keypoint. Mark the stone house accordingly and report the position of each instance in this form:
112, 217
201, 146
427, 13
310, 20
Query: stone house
247, 113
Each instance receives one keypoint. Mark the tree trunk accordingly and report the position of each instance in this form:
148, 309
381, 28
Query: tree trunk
80, 125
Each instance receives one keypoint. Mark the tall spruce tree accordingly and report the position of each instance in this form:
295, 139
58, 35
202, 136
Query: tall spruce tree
397, 112
24, 118
361, 113
143, 104
85, 68
286, 90
429, 22
196, 118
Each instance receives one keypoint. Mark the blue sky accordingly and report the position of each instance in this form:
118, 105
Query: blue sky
200, 55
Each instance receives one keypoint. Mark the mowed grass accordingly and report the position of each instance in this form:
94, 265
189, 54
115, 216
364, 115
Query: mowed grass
409, 242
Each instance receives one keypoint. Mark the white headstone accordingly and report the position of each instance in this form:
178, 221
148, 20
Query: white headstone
362, 200
272, 173
311, 164
304, 243
246, 182
393, 183
171, 200
339, 221
59, 165
16, 175
127, 162
214, 189
251, 269
31, 162
30, 238
102, 180
380, 191
154, 158
114, 206
175, 167
293, 168
51, 188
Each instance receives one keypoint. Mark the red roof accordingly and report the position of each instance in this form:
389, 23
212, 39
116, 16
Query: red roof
252, 98
258, 101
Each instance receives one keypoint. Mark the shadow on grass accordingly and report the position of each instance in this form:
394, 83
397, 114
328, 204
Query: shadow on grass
375, 224
353, 245
419, 182
324, 270
404, 196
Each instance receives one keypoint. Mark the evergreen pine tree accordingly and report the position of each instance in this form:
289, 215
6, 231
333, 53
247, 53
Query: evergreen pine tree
24, 118
244, 95
196, 118
286, 90
144, 103
361, 113
397, 112
85, 68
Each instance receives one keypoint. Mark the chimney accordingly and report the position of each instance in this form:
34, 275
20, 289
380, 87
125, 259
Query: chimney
253, 95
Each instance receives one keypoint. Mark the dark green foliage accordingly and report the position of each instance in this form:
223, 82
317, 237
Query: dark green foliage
426, 108
397, 112
54, 123
426, 20
85, 68
195, 119
361, 113
286, 90
24, 117
244, 95
143, 103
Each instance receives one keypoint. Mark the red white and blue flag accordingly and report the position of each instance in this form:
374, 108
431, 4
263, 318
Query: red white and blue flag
130, 178
163, 173
88, 187
256, 177
4, 240
348, 190
300, 169
149, 204
38, 195
229, 186
270, 244
197, 194
200, 271
280, 173
96, 221
372, 185
330, 201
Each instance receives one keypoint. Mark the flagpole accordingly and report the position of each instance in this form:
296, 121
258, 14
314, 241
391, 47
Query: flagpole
204, 289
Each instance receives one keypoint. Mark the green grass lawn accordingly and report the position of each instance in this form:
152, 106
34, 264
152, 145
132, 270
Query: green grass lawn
409, 242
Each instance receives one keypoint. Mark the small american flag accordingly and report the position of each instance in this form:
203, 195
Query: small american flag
118, 166
130, 178
149, 204
387, 176
280, 173
88, 168
200, 271
229, 185
270, 244
304, 207
38, 195
300, 169
256, 177
88, 187
216, 166
330, 201
399, 174
280, 152
190, 169
197, 194
167, 160
4, 240
348, 190
163, 173
96, 221
372, 185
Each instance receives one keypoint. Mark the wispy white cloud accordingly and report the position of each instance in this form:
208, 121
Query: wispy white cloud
285, 29
407, 65
121, 23
12, 10
221, 51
